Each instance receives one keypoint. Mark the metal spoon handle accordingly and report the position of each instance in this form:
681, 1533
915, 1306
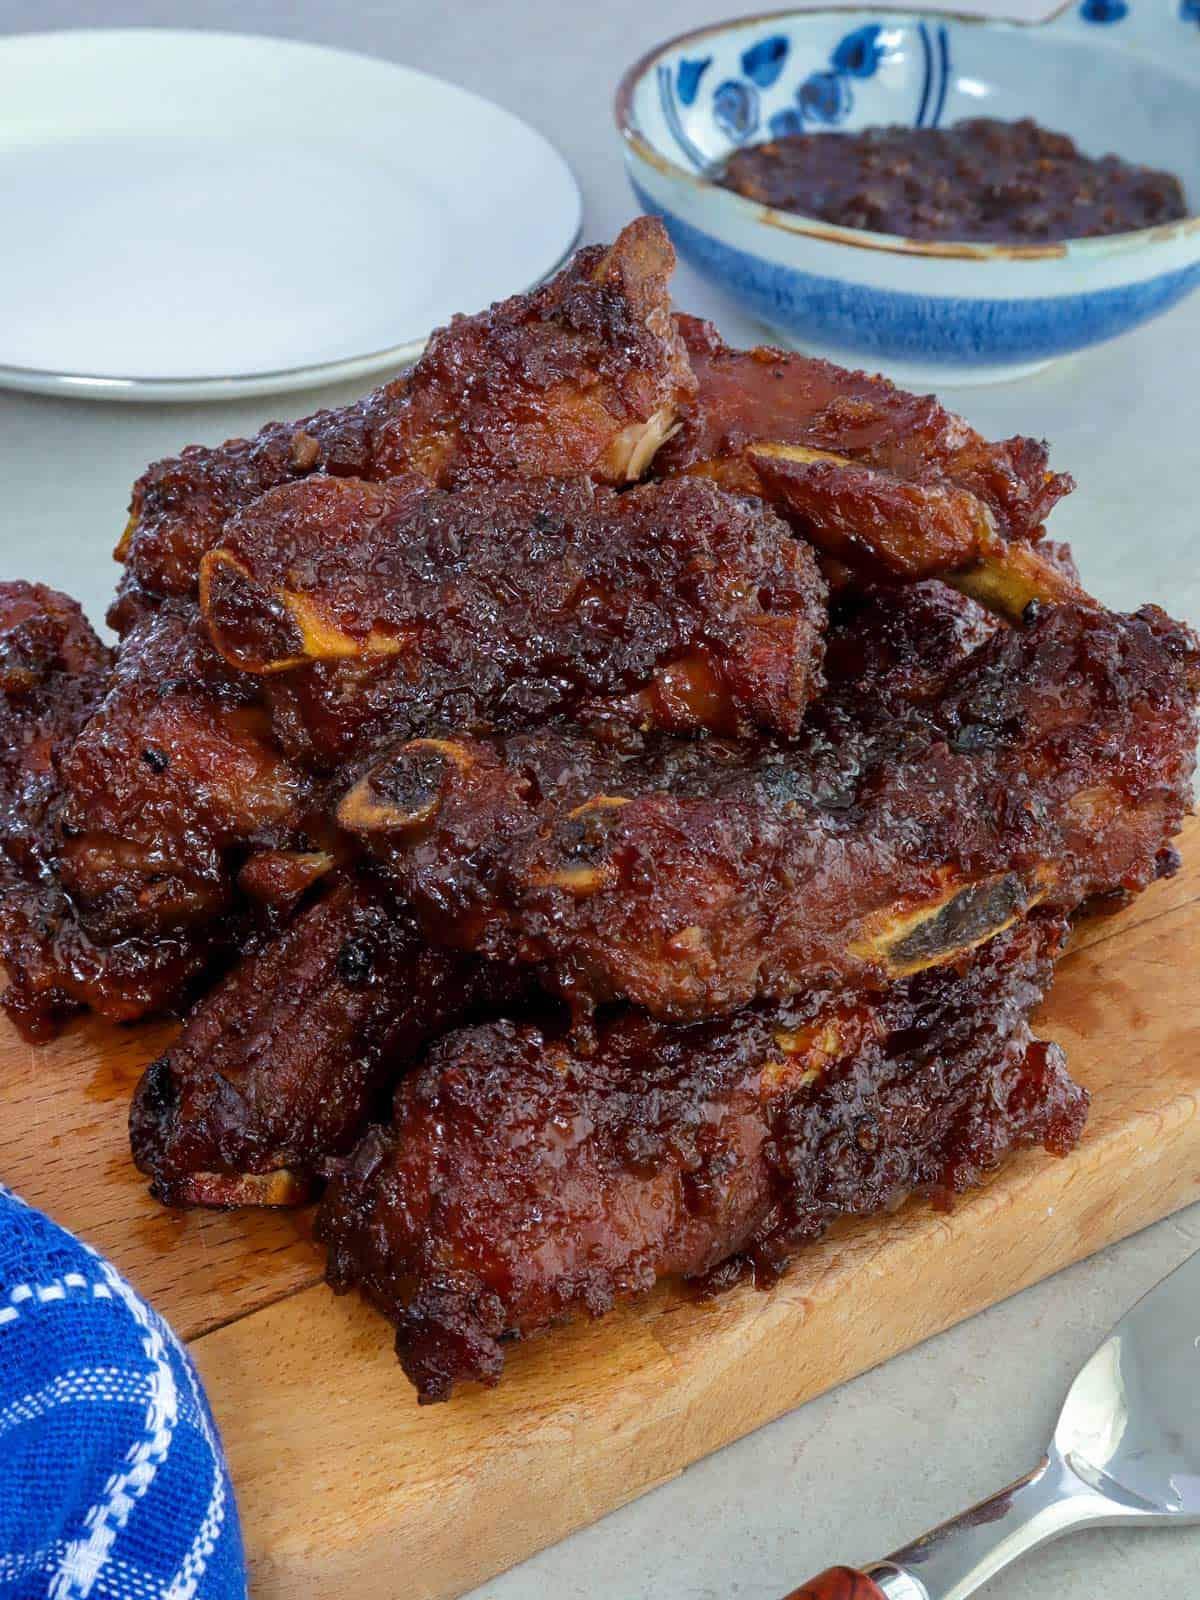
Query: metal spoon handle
952, 1561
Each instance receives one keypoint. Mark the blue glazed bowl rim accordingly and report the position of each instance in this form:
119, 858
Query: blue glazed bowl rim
749, 211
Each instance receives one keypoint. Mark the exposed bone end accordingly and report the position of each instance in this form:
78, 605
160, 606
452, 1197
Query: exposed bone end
852, 510
324, 641
636, 269
261, 630
121, 553
631, 451
598, 802
960, 917
403, 793
769, 451
248, 626
283, 1187
305, 451
579, 881
1011, 577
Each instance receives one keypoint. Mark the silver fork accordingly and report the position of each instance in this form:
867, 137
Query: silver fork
1126, 1451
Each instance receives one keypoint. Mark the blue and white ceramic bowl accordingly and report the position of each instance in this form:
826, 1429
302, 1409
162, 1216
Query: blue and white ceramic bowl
1121, 75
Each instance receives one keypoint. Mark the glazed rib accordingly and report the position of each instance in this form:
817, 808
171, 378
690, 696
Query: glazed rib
581, 376
889, 483
521, 1182
53, 674
172, 781
53, 670
1053, 764
280, 1066
393, 609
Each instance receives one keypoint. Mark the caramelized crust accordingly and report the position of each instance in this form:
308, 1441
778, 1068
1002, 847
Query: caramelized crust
52, 673
282, 1063
173, 780
55, 968
179, 506
521, 1181
1051, 765
583, 375
903, 644
887, 481
438, 715
672, 605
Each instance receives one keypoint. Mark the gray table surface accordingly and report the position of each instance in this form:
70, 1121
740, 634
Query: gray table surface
853, 1474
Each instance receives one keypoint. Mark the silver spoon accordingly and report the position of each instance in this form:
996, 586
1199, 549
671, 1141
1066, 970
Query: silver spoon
1126, 1451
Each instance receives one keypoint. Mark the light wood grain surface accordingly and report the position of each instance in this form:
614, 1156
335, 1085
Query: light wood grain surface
344, 1482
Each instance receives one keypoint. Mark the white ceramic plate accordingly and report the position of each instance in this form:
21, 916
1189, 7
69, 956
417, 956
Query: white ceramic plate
190, 215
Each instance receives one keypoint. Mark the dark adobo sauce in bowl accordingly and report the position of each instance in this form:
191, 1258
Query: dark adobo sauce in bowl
980, 180
816, 167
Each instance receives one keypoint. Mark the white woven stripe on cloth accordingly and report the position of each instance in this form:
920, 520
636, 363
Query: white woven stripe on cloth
85, 1558
93, 1385
203, 1545
135, 1504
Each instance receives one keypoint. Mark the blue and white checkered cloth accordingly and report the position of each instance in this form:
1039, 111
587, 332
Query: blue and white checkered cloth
112, 1479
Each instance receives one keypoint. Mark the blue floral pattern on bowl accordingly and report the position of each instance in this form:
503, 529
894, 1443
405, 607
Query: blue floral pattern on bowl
822, 97
735, 110
1103, 11
764, 61
965, 312
825, 97
688, 79
858, 55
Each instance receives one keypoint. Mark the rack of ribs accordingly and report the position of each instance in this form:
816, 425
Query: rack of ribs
281, 1065
607, 805
376, 609
1048, 767
583, 376
521, 1181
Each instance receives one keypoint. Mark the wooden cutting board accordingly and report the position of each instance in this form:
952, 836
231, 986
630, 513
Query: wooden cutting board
346, 1487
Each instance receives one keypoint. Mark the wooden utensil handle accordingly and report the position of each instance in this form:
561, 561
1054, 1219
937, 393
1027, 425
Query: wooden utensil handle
839, 1583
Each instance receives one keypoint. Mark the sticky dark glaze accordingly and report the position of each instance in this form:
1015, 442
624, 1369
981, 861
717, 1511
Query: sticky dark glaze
1049, 765
910, 457
522, 1181
173, 781
676, 605
283, 1062
53, 675
981, 180
558, 382
596, 752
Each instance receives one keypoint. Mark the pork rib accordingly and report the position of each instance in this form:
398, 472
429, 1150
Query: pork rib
583, 375
521, 1181
1052, 764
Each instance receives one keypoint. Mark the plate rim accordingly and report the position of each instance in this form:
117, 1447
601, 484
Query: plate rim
98, 386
